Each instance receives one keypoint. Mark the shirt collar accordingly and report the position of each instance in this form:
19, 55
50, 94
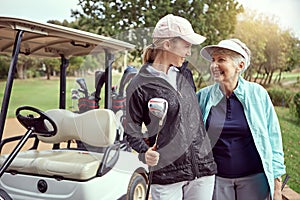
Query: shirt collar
239, 92
156, 72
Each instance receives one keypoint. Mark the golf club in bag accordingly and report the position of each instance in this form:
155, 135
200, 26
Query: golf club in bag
81, 82
119, 98
119, 102
99, 82
159, 108
91, 101
85, 102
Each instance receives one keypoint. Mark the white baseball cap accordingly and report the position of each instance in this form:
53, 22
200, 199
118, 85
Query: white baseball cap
231, 44
174, 26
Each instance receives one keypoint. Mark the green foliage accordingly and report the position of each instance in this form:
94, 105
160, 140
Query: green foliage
52, 63
74, 64
133, 21
297, 104
280, 96
90, 62
273, 50
4, 66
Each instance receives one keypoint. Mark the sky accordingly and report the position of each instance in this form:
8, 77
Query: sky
43, 10
39, 10
287, 12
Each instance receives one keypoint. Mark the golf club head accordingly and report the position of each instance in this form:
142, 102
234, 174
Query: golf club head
82, 84
99, 78
99, 82
75, 97
158, 107
75, 94
74, 91
128, 74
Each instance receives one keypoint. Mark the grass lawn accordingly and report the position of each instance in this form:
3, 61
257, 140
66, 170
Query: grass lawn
290, 128
285, 76
43, 94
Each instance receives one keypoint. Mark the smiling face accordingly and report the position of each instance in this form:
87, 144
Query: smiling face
167, 52
178, 50
226, 66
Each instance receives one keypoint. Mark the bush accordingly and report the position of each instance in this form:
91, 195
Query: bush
297, 104
280, 97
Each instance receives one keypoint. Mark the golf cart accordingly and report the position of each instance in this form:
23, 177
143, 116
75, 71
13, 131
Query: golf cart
66, 172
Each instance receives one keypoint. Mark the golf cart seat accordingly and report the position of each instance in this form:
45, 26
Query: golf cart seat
96, 127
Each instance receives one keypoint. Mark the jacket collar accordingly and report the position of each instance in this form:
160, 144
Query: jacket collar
239, 91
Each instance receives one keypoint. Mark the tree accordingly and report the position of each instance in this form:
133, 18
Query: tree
74, 65
52, 66
133, 21
272, 48
252, 33
293, 52
24, 66
4, 66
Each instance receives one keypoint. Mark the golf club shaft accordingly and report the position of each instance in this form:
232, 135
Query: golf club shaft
149, 182
158, 107
150, 168
285, 181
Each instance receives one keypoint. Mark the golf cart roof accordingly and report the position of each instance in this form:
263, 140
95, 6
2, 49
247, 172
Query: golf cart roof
49, 40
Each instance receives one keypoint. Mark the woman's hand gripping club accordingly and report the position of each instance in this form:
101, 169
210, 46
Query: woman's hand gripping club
158, 107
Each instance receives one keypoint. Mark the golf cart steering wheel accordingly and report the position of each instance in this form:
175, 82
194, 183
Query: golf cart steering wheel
41, 124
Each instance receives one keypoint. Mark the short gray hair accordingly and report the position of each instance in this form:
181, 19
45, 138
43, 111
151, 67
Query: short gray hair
236, 57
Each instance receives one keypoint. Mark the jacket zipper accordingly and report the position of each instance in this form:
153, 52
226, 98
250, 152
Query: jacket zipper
195, 168
194, 165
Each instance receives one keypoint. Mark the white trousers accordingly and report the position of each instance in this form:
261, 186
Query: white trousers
197, 189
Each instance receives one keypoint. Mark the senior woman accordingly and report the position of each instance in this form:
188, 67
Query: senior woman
243, 127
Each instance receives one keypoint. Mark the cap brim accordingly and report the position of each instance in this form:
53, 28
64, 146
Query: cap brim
206, 51
194, 38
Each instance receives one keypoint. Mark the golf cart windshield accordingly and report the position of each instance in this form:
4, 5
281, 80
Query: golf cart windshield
20, 36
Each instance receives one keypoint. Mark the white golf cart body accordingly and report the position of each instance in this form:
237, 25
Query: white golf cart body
67, 173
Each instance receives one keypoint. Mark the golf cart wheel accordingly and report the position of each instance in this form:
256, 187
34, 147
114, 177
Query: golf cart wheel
137, 188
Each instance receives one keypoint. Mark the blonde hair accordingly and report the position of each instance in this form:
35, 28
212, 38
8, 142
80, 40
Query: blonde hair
156, 47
